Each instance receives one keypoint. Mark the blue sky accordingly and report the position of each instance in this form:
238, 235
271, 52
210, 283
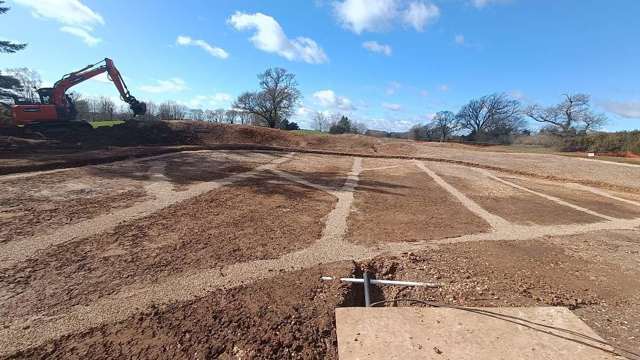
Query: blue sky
388, 63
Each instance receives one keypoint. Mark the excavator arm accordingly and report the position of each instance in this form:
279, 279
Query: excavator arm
86, 73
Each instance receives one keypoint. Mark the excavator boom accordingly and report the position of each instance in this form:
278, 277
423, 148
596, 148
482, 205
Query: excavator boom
55, 106
86, 73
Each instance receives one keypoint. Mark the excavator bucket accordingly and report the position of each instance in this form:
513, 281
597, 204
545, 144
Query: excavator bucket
138, 108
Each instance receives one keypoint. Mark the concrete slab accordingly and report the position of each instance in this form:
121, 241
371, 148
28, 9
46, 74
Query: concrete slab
440, 333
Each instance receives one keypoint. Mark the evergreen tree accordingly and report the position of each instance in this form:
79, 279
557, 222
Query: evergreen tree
8, 46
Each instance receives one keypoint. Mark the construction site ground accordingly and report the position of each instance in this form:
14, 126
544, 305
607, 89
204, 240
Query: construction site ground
219, 253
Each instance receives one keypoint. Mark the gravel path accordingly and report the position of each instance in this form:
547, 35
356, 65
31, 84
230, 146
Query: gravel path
15, 251
565, 167
330, 247
495, 221
548, 197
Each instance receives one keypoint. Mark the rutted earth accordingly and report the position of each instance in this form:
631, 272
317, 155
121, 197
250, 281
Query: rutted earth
219, 253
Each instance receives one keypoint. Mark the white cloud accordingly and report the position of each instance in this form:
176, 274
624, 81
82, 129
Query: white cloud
68, 12
459, 39
329, 100
366, 15
212, 50
482, 3
379, 15
78, 18
419, 14
443, 87
392, 107
270, 37
625, 109
376, 47
392, 87
424, 93
82, 34
164, 86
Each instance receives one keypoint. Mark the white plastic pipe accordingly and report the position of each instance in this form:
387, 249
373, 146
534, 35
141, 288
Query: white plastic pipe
383, 282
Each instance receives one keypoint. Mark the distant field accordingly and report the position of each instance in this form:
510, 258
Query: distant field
310, 132
101, 123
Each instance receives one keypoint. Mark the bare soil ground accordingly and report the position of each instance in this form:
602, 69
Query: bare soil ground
288, 316
596, 275
594, 172
402, 204
56, 199
203, 166
325, 170
291, 315
225, 260
589, 200
152, 248
506, 201
140, 138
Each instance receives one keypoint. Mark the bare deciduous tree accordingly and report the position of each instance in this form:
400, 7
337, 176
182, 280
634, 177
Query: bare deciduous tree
197, 114
152, 111
170, 110
244, 116
275, 101
218, 115
572, 115
107, 108
30, 81
445, 123
231, 116
321, 122
10, 87
496, 112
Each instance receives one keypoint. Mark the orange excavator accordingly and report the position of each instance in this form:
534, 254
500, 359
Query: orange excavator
56, 109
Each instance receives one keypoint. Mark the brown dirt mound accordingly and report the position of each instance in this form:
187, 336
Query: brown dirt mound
132, 133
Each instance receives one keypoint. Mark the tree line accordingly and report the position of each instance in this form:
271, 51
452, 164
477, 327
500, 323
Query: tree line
498, 118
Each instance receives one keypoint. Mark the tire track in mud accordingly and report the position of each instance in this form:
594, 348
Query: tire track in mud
16, 251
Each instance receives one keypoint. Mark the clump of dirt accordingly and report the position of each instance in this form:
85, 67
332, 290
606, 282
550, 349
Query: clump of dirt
289, 316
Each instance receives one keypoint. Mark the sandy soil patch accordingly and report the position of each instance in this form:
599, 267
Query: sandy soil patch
185, 169
404, 204
33, 205
586, 199
512, 204
258, 218
325, 170
544, 165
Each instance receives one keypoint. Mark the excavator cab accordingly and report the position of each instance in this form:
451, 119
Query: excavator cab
46, 95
